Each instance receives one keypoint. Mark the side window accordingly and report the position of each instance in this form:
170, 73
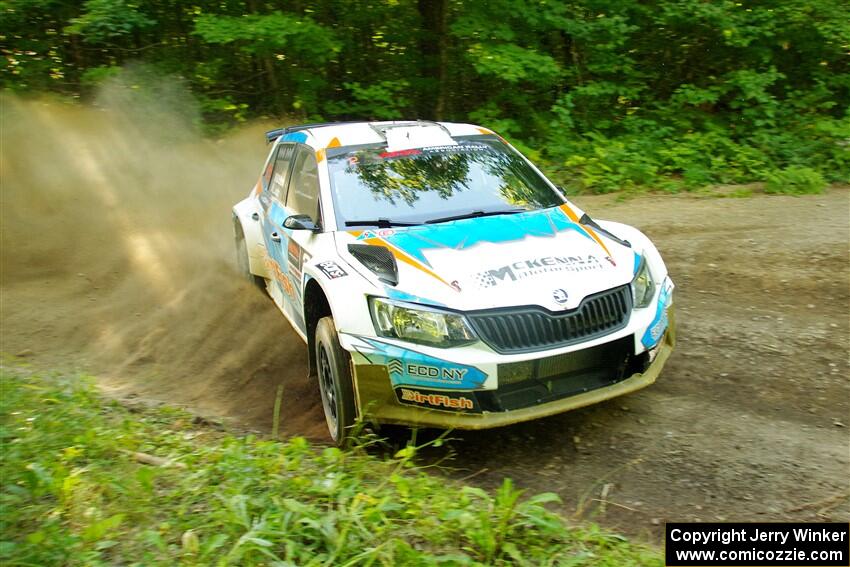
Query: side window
303, 197
267, 173
280, 174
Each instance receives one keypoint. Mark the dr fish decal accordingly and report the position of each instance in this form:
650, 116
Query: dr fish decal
411, 368
454, 401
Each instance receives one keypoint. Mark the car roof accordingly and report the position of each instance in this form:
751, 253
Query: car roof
334, 134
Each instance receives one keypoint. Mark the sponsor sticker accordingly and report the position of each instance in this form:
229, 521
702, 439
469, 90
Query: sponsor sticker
443, 373
437, 400
454, 148
659, 323
294, 253
399, 153
280, 277
409, 368
535, 266
381, 233
331, 269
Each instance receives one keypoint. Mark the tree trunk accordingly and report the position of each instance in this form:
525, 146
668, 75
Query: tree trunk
432, 47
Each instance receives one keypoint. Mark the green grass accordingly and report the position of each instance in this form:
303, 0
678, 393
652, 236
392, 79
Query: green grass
795, 181
75, 493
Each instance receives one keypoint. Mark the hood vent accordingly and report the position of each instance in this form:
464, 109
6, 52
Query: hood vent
378, 259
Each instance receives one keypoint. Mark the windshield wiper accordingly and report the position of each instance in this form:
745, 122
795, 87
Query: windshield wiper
474, 214
587, 221
380, 223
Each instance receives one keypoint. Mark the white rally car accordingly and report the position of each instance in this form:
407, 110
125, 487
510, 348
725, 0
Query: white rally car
439, 279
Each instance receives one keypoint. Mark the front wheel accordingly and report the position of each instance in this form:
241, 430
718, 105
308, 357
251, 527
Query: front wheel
335, 383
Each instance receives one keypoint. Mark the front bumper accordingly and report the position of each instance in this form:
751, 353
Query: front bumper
377, 400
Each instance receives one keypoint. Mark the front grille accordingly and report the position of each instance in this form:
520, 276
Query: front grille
529, 329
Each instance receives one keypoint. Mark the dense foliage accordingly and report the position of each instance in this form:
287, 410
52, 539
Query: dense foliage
87, 482
611, 94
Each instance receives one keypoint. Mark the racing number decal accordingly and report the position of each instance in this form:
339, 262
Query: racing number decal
331, 270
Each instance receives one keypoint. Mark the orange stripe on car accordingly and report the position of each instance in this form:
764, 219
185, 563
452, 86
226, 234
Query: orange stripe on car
574, 217
320, 154
403, 256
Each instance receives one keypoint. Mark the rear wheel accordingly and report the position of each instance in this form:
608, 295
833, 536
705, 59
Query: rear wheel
335, 384
242, 261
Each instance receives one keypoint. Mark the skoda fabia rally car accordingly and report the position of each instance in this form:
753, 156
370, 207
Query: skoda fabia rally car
440, 280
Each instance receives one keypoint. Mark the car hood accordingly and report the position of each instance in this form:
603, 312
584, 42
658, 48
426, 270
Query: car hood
543, 258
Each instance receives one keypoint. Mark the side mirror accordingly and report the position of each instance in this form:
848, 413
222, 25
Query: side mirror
300, 222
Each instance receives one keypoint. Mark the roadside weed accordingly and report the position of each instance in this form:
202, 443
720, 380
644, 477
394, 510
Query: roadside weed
79, 488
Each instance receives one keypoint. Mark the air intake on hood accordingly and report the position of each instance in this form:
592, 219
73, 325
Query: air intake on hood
378, 259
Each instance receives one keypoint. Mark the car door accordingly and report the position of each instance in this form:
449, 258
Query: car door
302, 198
272, 200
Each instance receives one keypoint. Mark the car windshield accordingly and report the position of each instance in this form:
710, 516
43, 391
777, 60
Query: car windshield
373, 186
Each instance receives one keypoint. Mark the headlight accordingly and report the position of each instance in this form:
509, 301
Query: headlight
643, 286
418, 324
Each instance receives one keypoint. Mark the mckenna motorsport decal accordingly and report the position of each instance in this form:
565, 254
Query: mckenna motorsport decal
409, 245
544, 265
436, 400
659, 323
332, 270
411, 368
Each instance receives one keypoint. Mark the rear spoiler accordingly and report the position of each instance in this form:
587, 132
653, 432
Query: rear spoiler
273, 135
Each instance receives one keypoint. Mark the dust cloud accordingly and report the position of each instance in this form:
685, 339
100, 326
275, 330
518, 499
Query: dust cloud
117, 257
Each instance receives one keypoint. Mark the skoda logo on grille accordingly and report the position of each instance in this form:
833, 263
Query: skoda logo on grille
560, 296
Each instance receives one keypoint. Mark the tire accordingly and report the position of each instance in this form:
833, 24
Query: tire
335, 385
243, 264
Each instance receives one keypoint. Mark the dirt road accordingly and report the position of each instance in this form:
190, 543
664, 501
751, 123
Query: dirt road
117, 261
